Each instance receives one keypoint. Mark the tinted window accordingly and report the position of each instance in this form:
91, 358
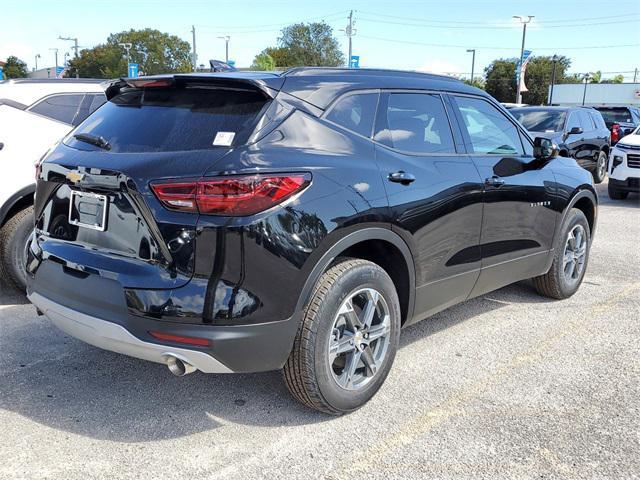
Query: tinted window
96, 102
489, 130
355, 112
59, 107
573, 122
597, 119
616, 115
168, 119
539, 120
585, 121
417, 123
89, 105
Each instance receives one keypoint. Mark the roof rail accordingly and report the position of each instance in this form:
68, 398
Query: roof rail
302, 71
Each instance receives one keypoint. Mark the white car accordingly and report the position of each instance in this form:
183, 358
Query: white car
34, 114
624, 166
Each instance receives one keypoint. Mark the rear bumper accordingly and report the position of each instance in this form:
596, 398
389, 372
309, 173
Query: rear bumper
113, 337
94, 310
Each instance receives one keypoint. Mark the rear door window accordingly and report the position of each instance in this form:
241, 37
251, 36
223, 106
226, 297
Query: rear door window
62, 107
174, 119
573, 121
416, 123
355, 112
585, 121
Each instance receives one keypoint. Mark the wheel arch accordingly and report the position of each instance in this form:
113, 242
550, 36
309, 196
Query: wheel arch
16, 202
368, 243
585, 201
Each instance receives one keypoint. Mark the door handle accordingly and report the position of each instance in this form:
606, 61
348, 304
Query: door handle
401, 177
494, 181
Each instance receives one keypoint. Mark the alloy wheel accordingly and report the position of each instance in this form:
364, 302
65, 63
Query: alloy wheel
575, 254
360, 339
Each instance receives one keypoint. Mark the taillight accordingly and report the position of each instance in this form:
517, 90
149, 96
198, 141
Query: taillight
615, 133
231, 196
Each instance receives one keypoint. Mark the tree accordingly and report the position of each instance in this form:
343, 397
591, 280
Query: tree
500, 79
15, 68
538, 78
311, 44
154, 51
263, 61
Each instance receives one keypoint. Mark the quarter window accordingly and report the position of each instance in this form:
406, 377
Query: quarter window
62, 108
417, 123
490, 132
355, 112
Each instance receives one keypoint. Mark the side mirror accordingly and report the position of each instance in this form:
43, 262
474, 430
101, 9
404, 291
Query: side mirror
575, 131
544, 149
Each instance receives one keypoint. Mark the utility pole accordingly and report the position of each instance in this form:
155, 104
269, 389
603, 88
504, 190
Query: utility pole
56, 52
195, 56
584, 94
635, 75
350, 32
473, 62
553, 78
75, 47
226, 39
127, 46
37, 57
524, 23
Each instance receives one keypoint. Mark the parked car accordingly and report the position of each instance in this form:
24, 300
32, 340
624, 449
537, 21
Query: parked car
621, 121
245, 222
624, 167
34, 114
509, 106
579, 132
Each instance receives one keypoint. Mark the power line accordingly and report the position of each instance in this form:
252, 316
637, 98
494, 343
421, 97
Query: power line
260, 27
411, 42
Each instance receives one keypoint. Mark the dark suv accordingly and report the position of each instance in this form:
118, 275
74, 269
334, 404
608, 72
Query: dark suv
579, 132
250, 222
620, 120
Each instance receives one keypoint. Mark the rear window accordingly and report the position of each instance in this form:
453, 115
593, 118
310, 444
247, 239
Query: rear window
616, 115
541, 120
173, 119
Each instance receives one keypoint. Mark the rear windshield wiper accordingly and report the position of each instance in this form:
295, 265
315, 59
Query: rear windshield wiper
96, 140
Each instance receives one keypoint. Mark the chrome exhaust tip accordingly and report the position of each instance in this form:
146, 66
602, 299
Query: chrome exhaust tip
178, 367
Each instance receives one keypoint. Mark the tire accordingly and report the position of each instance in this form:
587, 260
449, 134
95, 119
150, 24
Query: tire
311, 374
13, 238
616, 194
600, 172
555, 283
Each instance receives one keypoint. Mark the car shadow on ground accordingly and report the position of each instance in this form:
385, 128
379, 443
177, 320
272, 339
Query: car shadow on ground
632, 201
77, 388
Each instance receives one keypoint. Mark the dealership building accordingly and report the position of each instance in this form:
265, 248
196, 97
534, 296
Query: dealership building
593, 94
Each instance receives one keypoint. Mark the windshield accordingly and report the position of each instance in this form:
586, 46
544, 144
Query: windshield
541, 120
171, 119
616, 115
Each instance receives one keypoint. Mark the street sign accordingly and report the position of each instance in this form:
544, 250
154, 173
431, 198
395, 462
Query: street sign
355, 61
59, 71
231, 63
133, 70
1, 74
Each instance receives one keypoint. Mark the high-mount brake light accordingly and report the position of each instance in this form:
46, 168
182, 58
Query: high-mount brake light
231, 196
149, 83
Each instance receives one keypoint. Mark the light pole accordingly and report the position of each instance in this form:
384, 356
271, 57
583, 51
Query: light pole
553, 78
584, 93
37, 57
75, 47
65, 61
473, 62
524, 20
226, 39
56, 53
127, 47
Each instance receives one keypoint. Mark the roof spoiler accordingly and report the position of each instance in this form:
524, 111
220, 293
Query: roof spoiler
268, 85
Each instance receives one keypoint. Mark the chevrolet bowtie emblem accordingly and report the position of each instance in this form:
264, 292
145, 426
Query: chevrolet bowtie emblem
75, 177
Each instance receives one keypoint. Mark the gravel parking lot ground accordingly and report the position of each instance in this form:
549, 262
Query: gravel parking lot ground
510, 385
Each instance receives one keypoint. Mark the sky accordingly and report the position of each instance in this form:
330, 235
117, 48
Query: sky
412, 35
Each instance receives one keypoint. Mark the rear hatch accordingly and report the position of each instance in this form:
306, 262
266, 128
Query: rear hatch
95, 210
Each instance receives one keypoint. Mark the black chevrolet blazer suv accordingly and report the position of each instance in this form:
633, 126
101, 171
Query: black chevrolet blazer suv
244, 222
